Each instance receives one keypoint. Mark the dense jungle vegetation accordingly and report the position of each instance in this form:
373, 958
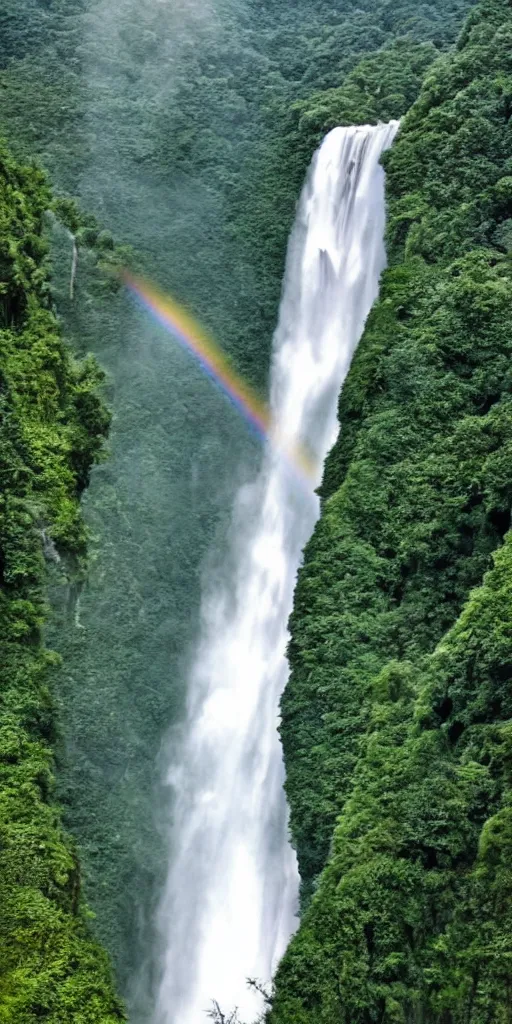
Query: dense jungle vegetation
183, 131
52, 427
396, 718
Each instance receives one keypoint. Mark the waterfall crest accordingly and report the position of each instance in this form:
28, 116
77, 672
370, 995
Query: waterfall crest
229, 904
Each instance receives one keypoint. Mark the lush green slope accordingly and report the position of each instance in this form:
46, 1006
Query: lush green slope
396, 713
162, 118
186, 129
52, 427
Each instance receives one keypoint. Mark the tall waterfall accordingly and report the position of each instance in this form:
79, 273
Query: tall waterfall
230, 899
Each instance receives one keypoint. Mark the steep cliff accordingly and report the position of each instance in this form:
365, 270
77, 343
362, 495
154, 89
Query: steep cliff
52, 427
186, 128
396, 717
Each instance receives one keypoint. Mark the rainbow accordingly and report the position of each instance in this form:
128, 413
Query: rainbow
194, 339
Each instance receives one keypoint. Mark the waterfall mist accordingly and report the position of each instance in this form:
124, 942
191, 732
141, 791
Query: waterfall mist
231, 891
154, 505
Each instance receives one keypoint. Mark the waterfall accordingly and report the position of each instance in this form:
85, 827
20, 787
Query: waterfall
229, 904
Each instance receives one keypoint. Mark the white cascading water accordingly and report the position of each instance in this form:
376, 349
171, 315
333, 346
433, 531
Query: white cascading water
230, 899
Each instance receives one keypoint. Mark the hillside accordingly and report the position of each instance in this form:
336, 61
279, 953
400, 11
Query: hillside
187, 134
395, 718
177, 137
52, 427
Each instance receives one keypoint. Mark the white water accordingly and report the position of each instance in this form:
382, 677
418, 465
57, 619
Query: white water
230, 899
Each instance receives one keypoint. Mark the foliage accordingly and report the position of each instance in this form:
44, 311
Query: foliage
395, 722
187, 129
52, 427
219, 1016
200, 142
412, 914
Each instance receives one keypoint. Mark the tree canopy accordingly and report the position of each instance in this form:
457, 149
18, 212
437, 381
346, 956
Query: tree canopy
396, 717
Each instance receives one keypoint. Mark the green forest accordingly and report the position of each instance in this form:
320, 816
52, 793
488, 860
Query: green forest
52, 430
174, 138
396, 716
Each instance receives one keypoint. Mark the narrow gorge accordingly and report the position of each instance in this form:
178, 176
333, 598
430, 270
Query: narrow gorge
256, 703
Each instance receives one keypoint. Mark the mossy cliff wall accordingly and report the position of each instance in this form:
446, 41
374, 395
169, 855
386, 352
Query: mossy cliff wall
52, 426
396, 719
